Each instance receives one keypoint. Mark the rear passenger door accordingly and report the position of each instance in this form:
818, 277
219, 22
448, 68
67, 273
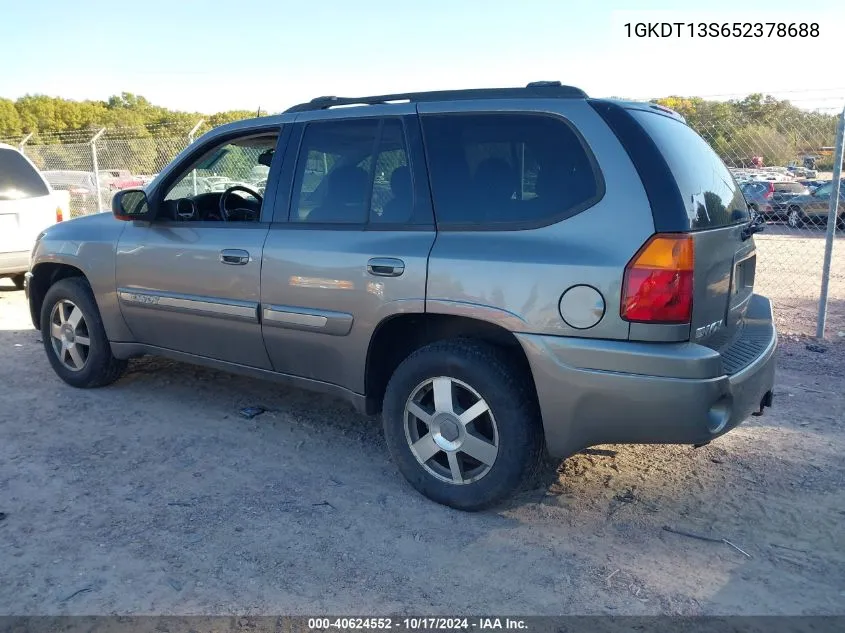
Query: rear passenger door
349, 243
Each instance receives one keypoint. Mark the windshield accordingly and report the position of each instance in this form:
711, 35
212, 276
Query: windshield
18, 178
825, 189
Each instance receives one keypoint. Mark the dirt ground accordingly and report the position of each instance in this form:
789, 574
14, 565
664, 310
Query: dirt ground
789, 267
153, 496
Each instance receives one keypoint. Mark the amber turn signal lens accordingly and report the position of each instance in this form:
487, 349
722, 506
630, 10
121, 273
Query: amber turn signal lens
658, 282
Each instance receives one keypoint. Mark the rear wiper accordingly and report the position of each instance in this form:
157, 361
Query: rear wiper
754, 226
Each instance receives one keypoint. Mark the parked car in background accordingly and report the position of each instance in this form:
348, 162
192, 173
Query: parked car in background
813, 184
80, 185
116, 179
770, 199
812, 209
516, 284
802, 171
27, 206
191, 186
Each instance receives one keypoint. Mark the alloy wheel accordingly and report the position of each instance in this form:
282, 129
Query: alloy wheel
69, 335
451, 430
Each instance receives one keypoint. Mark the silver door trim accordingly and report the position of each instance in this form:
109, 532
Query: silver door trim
190, 304
308, 319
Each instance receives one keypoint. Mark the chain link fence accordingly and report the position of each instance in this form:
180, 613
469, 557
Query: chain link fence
784, 162
121, 158
783, 158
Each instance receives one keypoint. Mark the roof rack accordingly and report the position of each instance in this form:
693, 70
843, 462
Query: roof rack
534, 90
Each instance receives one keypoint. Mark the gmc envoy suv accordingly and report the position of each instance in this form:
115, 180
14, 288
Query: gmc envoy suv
499, 272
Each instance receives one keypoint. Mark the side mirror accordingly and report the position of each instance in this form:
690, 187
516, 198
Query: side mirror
130, 205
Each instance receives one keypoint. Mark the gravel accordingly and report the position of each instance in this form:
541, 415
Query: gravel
156, 496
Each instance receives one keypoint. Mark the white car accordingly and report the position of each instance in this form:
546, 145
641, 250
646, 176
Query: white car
28, 205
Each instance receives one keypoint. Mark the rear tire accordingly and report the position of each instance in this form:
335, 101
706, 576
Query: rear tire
471, 461
19, 280
794, 218
74, 338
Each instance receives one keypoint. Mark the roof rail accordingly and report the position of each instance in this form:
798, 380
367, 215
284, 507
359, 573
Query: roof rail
534, 90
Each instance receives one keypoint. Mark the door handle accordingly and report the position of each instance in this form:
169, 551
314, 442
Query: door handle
234, 256
385, 267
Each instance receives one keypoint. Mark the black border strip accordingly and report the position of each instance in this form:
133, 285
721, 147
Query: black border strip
667, 204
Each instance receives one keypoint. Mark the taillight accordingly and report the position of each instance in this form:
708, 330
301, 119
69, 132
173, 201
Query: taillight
59, 214
657, 287
79, 191
769, 192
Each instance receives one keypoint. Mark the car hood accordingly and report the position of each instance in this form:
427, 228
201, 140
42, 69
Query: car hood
86, 227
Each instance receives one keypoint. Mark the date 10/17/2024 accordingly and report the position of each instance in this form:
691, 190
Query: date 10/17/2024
419, 624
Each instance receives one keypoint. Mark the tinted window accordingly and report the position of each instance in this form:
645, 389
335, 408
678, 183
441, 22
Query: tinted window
507, 169
790, 187
393, 192
711, 196
353, 171
18, 178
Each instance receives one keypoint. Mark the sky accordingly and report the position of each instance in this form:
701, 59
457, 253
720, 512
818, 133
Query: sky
218, 55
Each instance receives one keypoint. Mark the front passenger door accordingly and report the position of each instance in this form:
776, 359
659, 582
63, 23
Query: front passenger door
190, 280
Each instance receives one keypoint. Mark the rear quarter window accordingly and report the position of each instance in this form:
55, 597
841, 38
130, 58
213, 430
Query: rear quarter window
18, 178
507, 171
712, 198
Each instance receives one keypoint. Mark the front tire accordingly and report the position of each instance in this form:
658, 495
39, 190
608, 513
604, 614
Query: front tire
461, 424
19, 280
74, 338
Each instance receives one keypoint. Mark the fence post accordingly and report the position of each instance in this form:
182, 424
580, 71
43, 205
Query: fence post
832, 218
23, 142
93, 143
190, 141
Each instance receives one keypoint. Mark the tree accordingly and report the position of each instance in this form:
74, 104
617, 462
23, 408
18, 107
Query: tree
10, 120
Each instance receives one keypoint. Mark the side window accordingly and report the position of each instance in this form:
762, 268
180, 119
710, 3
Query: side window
242, 165
334, 172
507, 169
352, 172
393, 192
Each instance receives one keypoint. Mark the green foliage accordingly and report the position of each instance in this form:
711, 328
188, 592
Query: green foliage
46, 116
10, 120
758, 125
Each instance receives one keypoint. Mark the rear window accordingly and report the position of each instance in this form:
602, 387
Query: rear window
711, 196
507, 170
18, 178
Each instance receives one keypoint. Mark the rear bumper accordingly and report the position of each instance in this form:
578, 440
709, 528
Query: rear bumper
14, 263
606, 392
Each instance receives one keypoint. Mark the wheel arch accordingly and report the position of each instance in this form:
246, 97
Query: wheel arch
44, 275
397, 337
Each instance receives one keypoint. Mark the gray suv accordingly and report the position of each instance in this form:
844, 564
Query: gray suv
498, 272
